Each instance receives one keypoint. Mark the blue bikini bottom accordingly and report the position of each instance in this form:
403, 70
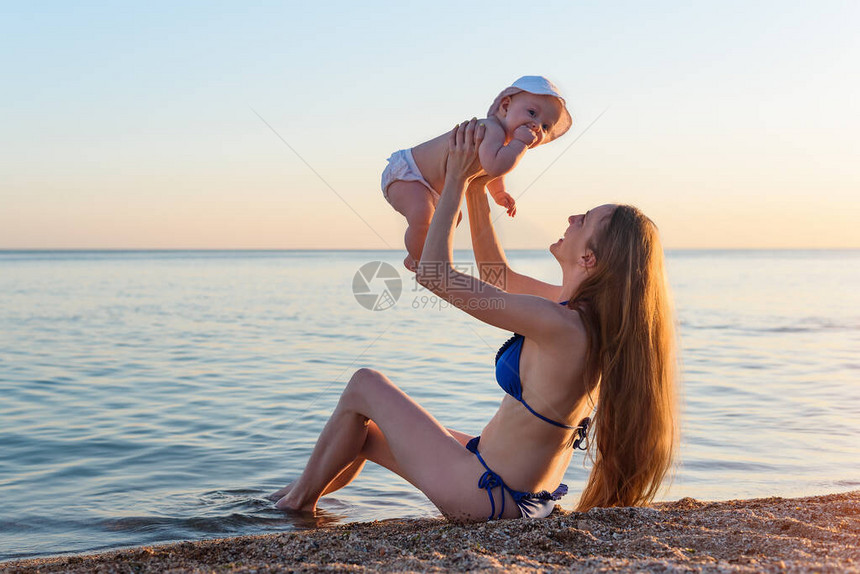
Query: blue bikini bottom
531, 504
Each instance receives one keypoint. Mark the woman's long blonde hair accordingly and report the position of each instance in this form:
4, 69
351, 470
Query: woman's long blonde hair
625, 305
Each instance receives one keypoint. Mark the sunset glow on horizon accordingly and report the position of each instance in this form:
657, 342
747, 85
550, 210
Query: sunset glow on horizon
732, 125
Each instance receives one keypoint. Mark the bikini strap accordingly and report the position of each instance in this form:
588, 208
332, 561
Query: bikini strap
540, 416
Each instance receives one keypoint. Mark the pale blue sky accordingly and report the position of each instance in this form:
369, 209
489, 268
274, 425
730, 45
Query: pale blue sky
131, 125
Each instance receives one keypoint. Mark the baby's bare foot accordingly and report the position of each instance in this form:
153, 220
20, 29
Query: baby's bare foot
410, 263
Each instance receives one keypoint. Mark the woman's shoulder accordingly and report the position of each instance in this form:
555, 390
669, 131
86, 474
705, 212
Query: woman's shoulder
562, 326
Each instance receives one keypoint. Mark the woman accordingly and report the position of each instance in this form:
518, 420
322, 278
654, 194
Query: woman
606, 332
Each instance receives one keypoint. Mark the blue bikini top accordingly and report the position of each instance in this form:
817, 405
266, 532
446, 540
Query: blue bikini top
508, 374
508, 377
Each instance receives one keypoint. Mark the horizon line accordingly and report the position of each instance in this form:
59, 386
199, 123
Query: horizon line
339, 249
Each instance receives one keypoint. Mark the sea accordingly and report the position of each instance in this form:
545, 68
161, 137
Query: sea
156, 396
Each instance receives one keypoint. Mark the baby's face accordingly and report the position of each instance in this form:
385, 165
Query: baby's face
538, 113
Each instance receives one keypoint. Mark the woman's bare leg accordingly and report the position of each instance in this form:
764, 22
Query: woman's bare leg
336, 449
417, 447
375, 450
346, 476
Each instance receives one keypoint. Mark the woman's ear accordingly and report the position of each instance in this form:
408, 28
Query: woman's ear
588, 260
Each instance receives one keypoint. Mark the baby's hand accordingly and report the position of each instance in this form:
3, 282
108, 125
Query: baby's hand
525, 135
505, 199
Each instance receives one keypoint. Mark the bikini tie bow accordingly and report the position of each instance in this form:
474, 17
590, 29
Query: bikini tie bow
488, 481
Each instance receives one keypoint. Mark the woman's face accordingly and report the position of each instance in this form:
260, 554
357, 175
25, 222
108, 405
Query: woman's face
573, 245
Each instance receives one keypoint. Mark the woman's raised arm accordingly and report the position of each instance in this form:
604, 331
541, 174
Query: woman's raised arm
532, 317
489, 255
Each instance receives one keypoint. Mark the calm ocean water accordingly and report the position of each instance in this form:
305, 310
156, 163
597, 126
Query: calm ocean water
156, 396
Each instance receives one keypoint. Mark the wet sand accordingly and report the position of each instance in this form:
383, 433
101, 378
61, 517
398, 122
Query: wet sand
820, 534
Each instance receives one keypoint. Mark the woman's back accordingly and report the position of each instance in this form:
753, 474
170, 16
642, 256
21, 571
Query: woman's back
525, 439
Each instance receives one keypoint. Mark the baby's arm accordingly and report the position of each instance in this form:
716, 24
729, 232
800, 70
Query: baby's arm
496, 187
496, 157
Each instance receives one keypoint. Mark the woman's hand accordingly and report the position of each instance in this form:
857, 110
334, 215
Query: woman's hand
463, 143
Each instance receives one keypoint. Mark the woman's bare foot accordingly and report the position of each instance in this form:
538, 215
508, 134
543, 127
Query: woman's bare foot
286, 503
279, 494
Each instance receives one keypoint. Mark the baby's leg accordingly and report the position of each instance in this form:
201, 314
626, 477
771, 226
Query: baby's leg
417, 204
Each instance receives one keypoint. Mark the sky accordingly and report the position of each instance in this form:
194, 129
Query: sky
266, 125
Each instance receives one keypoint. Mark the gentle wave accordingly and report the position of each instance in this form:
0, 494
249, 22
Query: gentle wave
158, 396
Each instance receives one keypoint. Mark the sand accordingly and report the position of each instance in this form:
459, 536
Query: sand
814, 534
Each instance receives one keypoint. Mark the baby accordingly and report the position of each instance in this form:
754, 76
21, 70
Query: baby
529, 113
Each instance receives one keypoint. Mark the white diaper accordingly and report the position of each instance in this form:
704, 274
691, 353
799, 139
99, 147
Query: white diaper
402, 167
